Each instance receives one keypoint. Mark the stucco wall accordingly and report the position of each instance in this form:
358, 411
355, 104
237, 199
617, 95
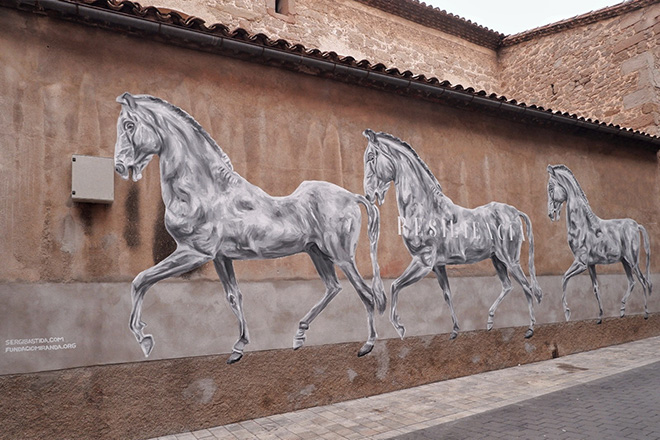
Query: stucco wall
608, 70
279, 129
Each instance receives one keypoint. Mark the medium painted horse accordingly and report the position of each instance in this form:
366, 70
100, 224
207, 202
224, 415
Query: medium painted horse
596, 241
431, 221
215, 214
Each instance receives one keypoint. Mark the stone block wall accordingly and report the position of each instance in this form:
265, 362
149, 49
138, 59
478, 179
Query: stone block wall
350, 28
608, 70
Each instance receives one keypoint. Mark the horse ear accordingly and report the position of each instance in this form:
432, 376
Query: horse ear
551, 170
369, 134
127, 99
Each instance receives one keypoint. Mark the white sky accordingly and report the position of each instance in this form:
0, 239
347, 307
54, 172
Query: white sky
514, 16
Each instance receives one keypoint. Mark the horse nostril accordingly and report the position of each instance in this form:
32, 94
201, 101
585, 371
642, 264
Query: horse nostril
119, 168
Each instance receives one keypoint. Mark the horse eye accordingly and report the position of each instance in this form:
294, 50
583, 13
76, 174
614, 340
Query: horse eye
129, 126
371, 157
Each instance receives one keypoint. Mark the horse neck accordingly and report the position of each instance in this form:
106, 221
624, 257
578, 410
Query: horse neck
417, 190
578, 211
189, 164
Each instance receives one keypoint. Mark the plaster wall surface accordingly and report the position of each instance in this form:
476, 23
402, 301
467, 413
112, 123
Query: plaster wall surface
279, 129
68, 265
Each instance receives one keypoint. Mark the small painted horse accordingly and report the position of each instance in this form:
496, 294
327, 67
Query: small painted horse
215, 214
596, 241
431, 222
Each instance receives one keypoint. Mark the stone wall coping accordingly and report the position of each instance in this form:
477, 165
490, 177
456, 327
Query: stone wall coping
577, 21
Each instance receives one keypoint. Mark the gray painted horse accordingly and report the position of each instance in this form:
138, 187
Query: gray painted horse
430, 222
596, 241
215, 214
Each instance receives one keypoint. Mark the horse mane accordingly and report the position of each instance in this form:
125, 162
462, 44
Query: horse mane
580, 191
182, 113
412, 151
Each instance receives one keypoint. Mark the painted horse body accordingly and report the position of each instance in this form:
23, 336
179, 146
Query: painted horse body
594, 240
438, 232
216, 215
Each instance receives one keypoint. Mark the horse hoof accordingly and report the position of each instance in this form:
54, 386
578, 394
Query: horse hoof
623, 313
366, 349
235, 357
646, 315
600, 321
489, 326
401, 330
147, 344
298, 342
453, 335
529, 333
567, 314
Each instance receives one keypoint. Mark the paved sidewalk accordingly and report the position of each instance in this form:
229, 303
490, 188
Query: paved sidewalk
426, 411
618, 407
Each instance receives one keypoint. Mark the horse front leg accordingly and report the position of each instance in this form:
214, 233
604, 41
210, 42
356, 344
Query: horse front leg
441, 274
646, 288
519, 276
594, 282
367, 297
631, 285
415, 271
503, 275
576, 268
225, 269
326, 270
182, 260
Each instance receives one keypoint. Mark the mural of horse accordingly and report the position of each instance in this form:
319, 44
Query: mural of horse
596, 241
431, 219
215, 214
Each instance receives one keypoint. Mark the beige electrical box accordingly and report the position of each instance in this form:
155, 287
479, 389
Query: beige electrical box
92, 179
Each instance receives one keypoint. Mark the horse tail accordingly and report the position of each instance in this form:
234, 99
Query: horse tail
647, 249
536, 289
373, 230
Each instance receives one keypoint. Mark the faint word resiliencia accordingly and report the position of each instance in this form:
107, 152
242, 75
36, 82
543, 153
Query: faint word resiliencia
417, 227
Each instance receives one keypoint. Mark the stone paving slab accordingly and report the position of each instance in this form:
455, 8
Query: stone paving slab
392, 415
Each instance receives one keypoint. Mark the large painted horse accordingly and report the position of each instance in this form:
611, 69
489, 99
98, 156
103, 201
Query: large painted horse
437, 232
596, 241
216, 215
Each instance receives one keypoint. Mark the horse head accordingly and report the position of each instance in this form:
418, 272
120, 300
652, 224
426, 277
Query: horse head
557, 195
379, 169
137, 140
